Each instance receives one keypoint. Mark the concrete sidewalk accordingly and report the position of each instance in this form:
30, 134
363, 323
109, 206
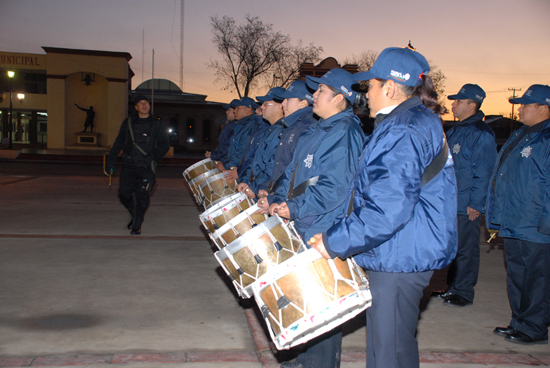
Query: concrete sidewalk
77, 289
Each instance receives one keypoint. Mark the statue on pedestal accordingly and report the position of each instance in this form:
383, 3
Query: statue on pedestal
90, 115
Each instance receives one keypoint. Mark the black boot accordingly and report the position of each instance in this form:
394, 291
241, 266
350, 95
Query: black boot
136, 226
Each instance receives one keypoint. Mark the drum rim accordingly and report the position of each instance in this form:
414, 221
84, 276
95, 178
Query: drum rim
222, 202
197, 164
205, 181
238, 244
208, 174
288, 266
253, 209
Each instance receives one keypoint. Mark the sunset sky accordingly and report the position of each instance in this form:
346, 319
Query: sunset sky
498, 44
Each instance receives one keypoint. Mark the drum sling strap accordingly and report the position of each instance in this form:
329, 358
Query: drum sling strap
437, 164
273, 186
301, 188
153, 163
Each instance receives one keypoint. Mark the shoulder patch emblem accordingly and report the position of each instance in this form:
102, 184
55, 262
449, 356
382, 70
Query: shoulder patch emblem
526, 152
456, 149
309, 161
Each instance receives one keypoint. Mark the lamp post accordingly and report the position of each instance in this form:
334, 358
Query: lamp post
11, 74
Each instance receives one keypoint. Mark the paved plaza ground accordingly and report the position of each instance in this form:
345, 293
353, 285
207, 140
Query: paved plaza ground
77, 289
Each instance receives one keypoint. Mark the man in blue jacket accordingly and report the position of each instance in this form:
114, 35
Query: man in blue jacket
224, 140
518, 206
297, 100
402, 225
261, 164
245, 125
474, 150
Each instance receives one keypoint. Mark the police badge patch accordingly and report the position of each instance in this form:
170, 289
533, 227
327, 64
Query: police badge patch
309, 161
456, 149
526, 152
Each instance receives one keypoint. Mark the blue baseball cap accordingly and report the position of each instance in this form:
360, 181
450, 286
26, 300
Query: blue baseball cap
337, 78
271, 95
297, 89
469, 92
230, 105
248, 102
537, 93
401, 65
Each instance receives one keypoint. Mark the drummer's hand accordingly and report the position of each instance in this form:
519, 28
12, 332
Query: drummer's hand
220, 167
231, 175
262, 193
207, 154
280, 209
263, 206
316, 242
243, 187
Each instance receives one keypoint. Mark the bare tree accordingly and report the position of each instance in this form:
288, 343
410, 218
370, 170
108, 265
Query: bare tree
438, 78
287, 70
253, 52
364, 60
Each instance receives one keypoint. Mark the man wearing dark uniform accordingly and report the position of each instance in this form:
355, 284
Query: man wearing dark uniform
144, 142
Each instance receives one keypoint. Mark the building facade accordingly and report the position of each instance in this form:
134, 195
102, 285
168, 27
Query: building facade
57, 83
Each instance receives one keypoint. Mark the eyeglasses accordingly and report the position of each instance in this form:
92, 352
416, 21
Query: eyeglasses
269, 104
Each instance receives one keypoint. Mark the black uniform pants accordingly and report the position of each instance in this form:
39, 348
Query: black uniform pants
464, 270
135, 185
527, 279
392, 318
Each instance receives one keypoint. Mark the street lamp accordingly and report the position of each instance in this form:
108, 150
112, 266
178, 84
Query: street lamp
11, 74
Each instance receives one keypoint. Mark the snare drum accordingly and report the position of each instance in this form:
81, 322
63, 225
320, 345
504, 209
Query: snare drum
215, 188
309, 295
198, 169
194, 184
224, 210
237, 226
258, 250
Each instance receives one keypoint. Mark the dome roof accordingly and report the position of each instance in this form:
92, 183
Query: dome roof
160, 85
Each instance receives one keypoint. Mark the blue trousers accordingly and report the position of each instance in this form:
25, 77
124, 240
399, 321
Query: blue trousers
464, 270
324, 351
392, 318
528, 282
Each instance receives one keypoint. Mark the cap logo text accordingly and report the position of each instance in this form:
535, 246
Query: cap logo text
400, 76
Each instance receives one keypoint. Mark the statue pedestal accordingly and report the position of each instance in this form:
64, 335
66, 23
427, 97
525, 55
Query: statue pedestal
87, 139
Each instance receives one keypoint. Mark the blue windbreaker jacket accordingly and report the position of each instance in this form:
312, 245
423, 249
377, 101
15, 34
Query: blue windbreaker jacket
397, 224
296, 124
250, 150
330, 149
518, 202
472, 143
241, 135
224, 141
262, 164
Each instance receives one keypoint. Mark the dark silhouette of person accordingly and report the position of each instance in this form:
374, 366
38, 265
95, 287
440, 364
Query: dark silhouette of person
90, 115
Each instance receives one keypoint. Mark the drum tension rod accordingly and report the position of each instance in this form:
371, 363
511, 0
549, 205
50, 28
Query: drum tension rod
265, 311
258, 259
282, 302
278, 246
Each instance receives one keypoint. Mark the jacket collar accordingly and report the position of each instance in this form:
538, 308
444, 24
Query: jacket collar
245, 120
330, 122
535, 128
296, 115
410, 103
478, 116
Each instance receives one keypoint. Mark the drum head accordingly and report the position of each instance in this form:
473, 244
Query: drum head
309, 295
